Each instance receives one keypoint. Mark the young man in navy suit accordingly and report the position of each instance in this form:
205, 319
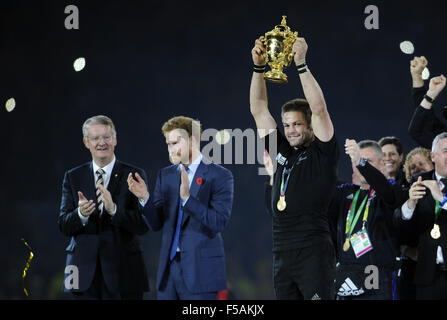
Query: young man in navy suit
192, 204
102, 218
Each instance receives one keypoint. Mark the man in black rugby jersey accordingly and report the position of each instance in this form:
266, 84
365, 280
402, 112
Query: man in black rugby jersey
303, 184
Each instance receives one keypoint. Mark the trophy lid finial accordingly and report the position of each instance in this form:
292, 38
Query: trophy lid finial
283, 22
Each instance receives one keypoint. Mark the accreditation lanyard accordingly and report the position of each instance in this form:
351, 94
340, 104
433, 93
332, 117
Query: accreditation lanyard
350, 224
437, 210
287, 172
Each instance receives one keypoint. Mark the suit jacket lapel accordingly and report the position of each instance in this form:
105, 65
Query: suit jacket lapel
89, 181
114, 177
198, 179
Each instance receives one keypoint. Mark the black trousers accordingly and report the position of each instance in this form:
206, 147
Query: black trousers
406, 287
435, 291
98, 289
383, 292
305, 273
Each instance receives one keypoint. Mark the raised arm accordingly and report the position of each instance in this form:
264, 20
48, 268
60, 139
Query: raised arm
417, 65
258, 92
394, 196
321, 121
435, 87
425, 125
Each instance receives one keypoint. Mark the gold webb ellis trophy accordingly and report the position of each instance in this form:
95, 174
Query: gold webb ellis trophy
278, 43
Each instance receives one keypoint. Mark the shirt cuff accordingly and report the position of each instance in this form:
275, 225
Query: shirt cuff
407, 213
84, 220
114, 211
439, 256
142, 202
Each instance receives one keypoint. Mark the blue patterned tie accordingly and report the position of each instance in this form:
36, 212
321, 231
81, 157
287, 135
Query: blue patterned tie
177, 229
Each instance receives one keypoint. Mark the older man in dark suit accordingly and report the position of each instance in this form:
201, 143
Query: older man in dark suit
102, 218
426, 211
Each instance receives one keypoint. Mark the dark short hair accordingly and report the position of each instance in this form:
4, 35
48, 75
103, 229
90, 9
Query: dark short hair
391, 140
298, 105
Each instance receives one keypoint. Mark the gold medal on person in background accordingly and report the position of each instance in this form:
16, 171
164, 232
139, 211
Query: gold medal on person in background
346, 245
435, 232
281, 205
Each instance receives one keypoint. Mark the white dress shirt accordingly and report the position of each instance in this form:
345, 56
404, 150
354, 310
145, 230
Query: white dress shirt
407, 214
106, 178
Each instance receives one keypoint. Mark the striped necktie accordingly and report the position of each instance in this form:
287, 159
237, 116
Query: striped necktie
99, 181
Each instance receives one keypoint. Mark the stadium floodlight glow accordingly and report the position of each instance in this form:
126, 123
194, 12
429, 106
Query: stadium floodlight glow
79, 64
222, 137
407, 47
425, 73
10, 104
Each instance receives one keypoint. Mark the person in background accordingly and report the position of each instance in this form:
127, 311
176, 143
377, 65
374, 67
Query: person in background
424, 124
417, 161
426, 211
393, 160
364, 226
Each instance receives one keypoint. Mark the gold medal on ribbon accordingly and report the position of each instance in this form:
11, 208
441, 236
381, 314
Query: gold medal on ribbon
346, 245
435, 232
281, 205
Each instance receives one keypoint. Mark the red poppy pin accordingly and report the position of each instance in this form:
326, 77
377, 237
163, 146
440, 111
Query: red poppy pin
199, 181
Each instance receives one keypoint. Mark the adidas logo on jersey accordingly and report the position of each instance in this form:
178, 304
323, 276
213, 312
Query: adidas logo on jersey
348, 288
316, 297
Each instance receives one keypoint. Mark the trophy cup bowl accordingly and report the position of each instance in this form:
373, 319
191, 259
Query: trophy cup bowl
278, 43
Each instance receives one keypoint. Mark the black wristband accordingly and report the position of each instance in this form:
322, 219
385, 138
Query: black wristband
259, 69
302, 68
429, 99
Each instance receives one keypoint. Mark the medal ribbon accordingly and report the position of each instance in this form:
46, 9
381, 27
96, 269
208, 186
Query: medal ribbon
288, 172
437, 210
350, 224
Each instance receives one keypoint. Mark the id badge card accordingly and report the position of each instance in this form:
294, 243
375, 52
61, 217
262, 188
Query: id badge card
360, 243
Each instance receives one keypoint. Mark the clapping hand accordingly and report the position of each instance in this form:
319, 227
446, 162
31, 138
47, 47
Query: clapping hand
416, 192
106, 198
184, 186
85, 206
137, 186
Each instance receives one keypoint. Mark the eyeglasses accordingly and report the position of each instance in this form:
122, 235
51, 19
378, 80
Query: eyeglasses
97, 139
